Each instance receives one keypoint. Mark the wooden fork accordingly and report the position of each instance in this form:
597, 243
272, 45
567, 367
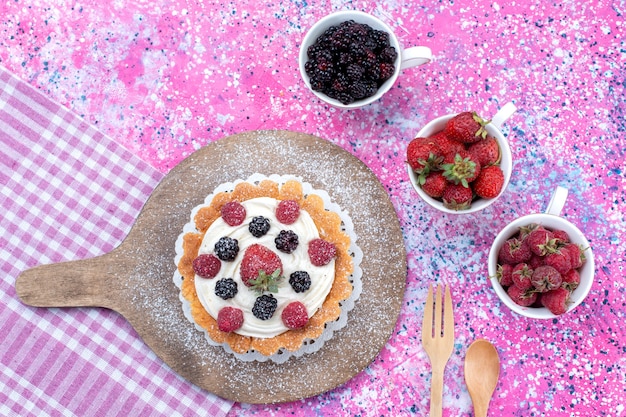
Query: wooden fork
438, 343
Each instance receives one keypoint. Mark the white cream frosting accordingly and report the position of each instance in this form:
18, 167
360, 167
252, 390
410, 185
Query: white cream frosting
321, 277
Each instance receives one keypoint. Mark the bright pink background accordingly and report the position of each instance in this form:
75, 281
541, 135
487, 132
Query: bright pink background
164, 78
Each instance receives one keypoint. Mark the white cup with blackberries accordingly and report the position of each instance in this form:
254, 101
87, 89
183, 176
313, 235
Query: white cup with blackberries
349, 59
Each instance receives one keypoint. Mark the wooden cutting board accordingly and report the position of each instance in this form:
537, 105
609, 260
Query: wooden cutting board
136, 278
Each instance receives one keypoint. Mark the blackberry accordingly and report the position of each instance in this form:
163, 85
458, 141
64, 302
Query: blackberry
380, 38
345, 98
354, 72
227, 248
259, 226
341, 83
389, 54
264, 307
300, 281
386, 71
286, 241
323, 69
345, 59
226, 288
358, 49
364, 88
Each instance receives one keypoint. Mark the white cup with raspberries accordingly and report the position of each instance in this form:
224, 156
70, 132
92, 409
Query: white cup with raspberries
541, 265
461, 163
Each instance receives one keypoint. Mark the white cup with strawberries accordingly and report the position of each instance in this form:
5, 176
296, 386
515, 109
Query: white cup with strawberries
541, 265
461, 163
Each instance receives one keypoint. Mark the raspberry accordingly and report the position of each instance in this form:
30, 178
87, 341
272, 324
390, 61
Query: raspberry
259, 258
521, 275
229, 319
295, 316
521, 297
300, 281
287, 211
264, 307
233, 213
226, 288
514, 251
546, 278
571, 280
259, 226
556, 300
321, 252
561, 235
206, 266
227, 248
503, 274
535, 261
286, 241
559, 260
576, 256
539, 241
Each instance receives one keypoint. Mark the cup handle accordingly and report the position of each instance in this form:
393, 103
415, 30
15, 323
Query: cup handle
557, 202
503, 114
414, 56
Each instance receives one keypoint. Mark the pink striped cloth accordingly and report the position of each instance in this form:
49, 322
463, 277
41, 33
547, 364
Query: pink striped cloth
69, 192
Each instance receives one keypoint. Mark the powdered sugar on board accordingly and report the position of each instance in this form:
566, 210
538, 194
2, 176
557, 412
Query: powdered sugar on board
353, 187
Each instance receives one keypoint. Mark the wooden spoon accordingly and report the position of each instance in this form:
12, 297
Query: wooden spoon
136, 278
482, 368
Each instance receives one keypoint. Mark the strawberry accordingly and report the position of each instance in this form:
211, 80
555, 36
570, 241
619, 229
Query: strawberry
229, 319
514, 251
422, 155
460, 168
546, 278
466, 127
521, 297
259, 261
485, 152
559, 260
206, 265
287, 211
457, 197
571, 280
540, 241
521, 275
489, 182
294, 315
446, 145
321, 252
233, 213
434, 184
556, 300
504, 274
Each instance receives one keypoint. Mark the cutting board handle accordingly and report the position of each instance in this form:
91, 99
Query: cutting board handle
82, 283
